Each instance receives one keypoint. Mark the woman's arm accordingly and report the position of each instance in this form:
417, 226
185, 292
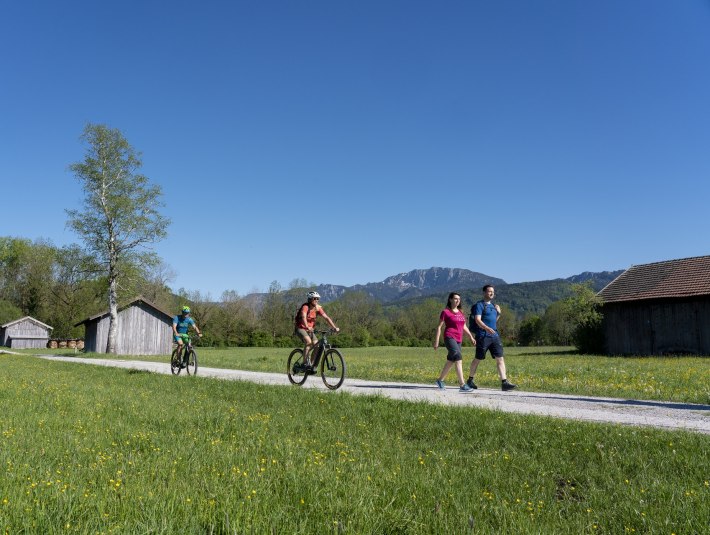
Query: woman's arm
438, 334
465, 329
330, 321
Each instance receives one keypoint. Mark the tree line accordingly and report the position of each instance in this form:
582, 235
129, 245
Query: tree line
61, 286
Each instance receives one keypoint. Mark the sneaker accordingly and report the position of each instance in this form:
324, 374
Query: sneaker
507, 385
309, 370
465, 388
440, 384
470, 383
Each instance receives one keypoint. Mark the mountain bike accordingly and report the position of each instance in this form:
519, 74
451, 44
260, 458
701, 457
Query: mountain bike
187, 359
332, 364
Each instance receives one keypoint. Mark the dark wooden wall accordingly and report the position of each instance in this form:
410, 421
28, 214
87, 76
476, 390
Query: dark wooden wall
658, 327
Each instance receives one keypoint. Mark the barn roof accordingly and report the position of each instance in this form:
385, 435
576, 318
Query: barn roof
686, 277
137, 300
11, 323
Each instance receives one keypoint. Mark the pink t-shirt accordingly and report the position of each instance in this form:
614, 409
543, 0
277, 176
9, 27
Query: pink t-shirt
454, 323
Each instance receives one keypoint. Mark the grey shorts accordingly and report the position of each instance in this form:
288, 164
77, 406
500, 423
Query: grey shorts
454, 349
303, 334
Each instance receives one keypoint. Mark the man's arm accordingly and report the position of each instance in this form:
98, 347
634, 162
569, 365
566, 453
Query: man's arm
482, 325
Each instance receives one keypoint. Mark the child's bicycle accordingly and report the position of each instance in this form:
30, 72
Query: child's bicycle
332, 364
187, 359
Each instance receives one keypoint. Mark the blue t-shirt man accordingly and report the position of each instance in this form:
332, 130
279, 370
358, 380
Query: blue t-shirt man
489, 315
484, 319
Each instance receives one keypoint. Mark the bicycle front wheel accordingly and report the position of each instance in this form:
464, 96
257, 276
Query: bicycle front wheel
192, 363
175, 362
332, 369
296, 373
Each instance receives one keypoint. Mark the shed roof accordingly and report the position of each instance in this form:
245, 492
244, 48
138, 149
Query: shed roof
137, 300
11, 323
686, 277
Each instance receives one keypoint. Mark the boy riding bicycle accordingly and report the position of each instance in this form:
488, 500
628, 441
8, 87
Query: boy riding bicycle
181, 325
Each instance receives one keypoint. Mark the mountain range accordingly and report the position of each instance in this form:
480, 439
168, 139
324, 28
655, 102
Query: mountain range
415, 283
522, 298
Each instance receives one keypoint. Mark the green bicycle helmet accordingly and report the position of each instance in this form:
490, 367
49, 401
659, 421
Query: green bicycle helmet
185, 310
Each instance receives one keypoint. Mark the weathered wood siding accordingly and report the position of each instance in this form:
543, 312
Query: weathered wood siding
142, 330
658, 327
25, 334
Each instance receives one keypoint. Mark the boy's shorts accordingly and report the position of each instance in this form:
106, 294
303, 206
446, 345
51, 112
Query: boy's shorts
183, 337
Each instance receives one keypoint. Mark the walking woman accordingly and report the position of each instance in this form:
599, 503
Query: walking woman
455, 320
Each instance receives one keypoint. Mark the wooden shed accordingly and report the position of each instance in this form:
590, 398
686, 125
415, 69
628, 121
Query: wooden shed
143, 329
659, 309
25, 333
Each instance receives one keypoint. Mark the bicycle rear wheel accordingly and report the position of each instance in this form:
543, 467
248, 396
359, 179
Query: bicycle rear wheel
175, 362
296, 373
192, 363
332, 369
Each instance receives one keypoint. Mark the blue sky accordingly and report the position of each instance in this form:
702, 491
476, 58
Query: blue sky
344, 142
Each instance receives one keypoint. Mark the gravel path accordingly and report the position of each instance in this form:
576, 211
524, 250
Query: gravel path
659, 414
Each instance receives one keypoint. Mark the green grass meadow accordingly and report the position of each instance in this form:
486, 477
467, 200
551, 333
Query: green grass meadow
548, 369
87, 449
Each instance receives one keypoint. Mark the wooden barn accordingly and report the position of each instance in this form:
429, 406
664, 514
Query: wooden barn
25, 333
143, 329
659, 309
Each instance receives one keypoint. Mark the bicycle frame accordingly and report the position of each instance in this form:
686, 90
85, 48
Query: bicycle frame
321, 347
184, 356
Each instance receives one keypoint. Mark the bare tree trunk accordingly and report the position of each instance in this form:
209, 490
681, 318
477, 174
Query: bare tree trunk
113, 317
112, 296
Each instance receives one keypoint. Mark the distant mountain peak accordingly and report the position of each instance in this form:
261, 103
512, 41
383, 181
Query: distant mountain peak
600, 278
415, 283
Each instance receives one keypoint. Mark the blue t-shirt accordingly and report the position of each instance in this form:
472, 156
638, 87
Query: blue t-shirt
489, 316
183, 324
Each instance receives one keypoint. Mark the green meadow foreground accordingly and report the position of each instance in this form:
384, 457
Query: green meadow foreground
100, 450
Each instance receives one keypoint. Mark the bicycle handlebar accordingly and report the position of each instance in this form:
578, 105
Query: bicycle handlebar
324, 331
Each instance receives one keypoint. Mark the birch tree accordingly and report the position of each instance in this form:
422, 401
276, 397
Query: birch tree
119, 217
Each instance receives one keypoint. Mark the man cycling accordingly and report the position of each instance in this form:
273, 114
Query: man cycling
181, 324
306, 321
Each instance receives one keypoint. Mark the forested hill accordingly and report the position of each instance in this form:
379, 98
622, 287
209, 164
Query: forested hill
524, 298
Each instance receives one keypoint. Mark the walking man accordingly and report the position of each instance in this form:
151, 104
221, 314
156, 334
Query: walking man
484, 318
